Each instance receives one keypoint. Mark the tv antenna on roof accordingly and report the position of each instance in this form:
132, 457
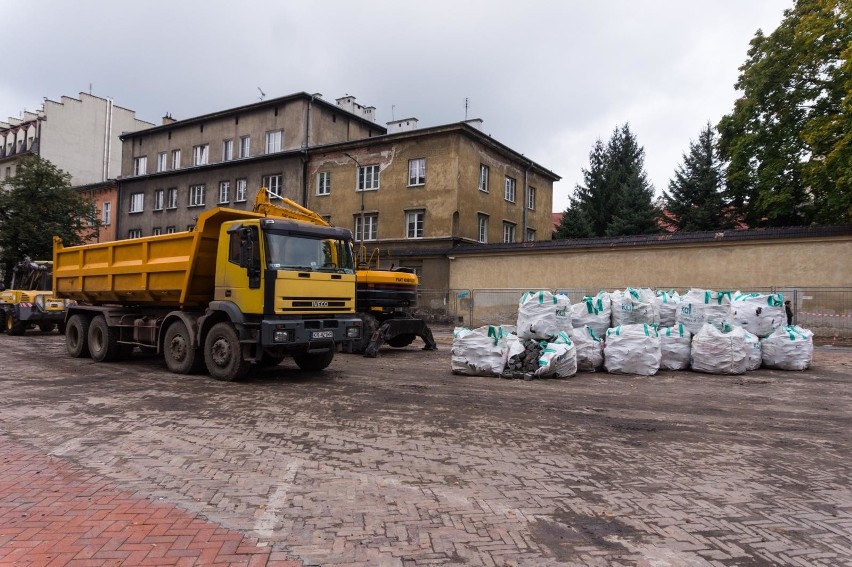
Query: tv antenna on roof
466, 104
262, 94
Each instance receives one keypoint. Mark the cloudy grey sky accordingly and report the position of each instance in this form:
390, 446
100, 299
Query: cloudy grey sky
548, 77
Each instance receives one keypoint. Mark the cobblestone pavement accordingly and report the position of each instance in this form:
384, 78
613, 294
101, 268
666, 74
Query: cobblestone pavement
395, 461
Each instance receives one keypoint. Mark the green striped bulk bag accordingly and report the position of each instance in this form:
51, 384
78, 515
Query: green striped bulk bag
788, 348
675, 347
719, 351
634, 305
589, 347
542, 315
632, 349
667, 305
594, 311
700, 306
480, 351
758, 313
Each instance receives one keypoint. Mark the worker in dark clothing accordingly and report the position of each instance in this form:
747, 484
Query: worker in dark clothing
789, 312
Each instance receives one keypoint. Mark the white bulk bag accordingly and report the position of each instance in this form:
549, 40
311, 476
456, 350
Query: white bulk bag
759, 314
596, 312
788, 348
589, 349
634, 306
542, 315
675, 346
667, 305
699, 306
719, 352
632, 349
479, 352
755, 354
558, 359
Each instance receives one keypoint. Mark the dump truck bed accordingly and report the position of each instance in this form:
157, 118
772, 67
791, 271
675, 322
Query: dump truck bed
170, 270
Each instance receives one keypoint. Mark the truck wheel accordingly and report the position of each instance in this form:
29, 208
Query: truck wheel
400, 341
223, 353
77, 336
313, 362
46, 327
103, 342
14, 326
181, 358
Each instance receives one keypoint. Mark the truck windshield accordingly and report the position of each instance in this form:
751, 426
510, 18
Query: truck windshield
292, 252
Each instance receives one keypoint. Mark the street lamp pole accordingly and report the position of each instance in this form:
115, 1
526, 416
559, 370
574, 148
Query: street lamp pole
357, 173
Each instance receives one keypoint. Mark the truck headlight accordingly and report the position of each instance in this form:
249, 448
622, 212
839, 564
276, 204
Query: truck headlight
281, 336
353, 332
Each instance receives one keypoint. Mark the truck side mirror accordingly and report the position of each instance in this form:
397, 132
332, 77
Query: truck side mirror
250, 256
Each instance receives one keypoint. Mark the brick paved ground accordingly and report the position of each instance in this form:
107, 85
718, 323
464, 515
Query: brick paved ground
394, 461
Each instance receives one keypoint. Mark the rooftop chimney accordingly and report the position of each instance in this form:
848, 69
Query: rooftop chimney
167, 119
404, 125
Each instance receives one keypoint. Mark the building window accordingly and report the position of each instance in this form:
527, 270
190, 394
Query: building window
196, 195
416, 172
241, 191
245, 146
483, 228
140, 165
227, 150
368, 178
175, 159
370, 228
483, 178
273, 183
414, 224
190, 227
159, 194
200, 154
508, 232
137, 202
324, 183
531, 198
106, 213
134, 233
509, 193
157, 231
273, 141
224, 192
170, 230
172, 200
530, 235
162, 161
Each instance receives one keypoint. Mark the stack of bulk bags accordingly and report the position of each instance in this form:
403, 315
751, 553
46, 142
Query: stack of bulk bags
700, 306
542, 315
719, 351
632, 349
596, 312
675, 347
589, 349
788, 348
667, 305
759, 314
479, 352
755, 354
633, 306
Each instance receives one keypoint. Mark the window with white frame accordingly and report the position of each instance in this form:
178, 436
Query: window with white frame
240, 195
171, 202
200, 154
190, 227
134, 233
227, 150
274, 141
162, 161
530, 235
416, 171
106, 213
137, 202
508, 231
170, 230
157, 231
175, 159
273, 183
159, 196
531, 198
196, 195
140, 165
245, 146
224, 192
414, 224
509, 192
483, 228
368, 178
483, 178
324, 183
366, 227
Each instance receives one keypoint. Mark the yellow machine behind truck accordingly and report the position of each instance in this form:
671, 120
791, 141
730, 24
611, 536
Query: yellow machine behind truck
241, 288
30, 300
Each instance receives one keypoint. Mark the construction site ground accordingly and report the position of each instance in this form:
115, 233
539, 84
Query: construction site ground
395, 461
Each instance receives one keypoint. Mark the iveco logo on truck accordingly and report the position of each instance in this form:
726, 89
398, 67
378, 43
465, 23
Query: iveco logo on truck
319, 303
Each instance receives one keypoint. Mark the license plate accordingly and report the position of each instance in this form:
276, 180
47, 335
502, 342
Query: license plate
322, 334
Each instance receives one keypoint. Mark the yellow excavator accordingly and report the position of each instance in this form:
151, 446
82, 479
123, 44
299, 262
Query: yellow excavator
385, 298
30, 301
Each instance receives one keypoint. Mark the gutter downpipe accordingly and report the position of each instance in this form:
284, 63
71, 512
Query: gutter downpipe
307, 143
526, 202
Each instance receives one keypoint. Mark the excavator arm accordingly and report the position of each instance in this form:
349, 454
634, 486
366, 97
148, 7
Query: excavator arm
287, 208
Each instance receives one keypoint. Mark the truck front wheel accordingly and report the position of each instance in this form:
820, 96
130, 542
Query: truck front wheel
14, 325
181, 357
77, 336
313, 362
223, 353
103, 342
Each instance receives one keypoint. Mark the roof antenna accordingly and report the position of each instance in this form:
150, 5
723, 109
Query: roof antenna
466, 104
262, 94
393, 106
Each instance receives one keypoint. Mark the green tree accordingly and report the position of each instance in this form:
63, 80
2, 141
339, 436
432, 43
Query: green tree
39, 204
695, 199
616, 198
788, 138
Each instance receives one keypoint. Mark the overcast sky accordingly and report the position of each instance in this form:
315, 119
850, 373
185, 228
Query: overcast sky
547, 77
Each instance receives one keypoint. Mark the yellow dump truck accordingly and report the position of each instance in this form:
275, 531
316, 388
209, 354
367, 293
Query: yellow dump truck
241, 288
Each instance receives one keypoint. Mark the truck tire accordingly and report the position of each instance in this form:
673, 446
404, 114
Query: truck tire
181, 358
103, 342
77, 336
46, 327
314, 362
400, 341
14, 326
223, 353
